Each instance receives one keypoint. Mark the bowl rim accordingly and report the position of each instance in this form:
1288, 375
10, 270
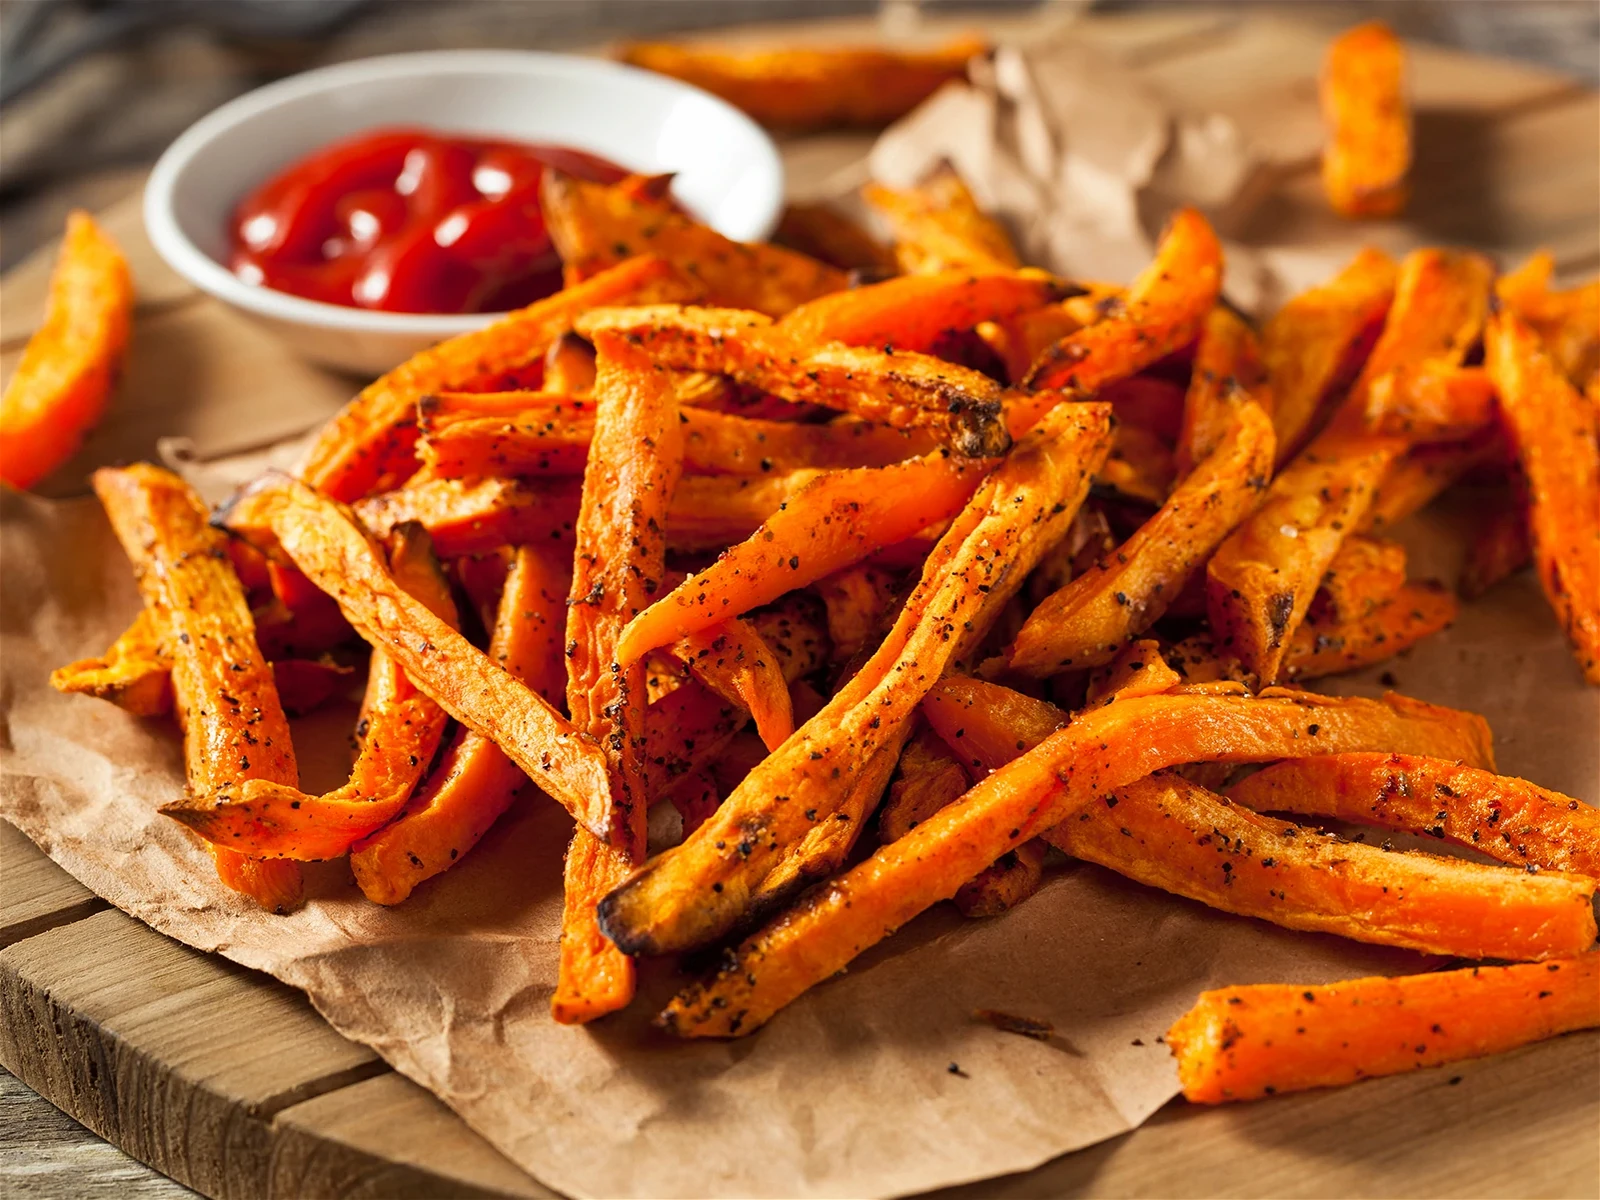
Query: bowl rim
206, 273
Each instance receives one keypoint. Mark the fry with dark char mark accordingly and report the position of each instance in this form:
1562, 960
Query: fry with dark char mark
938, 226
1416, 611
399, 732
836, 520
1554, 429
700, 890
368, 446
282, 516
234, 728
804, 88
1506, 818
569, 365
1088, 621
135, 672
882, 384
596, 226
1243, 1043
1227, 364
474, 782
1103, 750
1368, 153
634, 464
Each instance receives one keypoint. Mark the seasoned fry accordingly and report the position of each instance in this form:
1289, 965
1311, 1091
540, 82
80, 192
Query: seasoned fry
1164, 309
281, 515
1365, 574
569, 366
929, 777
836, 520
1243, 1043
1087, 622
1227, 365
475, 517
596, 226
65, 375
1138, 670
1104, 749
1567, 321
938, 226
718, 443
1004, 883
1554, 429
711, 512
367, 447
1499, 547
1419, 476
305, 684
808, 89
1417, 610
1025, 506
234, 728
1430, 402
1368, 154
474, 782
1140, 466
858, 600
824, 233
135, 674
1308, 342
732, 660
902, 389
1506, 818
534, 442
399, 732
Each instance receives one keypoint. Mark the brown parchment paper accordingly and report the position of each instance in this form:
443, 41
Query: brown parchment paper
880, 1082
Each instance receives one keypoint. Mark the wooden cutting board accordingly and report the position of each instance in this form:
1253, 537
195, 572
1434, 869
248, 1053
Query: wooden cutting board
230, 1083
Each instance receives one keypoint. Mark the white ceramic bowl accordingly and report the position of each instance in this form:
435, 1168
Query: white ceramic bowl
728, 170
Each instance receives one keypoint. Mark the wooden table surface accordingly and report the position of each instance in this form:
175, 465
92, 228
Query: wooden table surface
91, 1000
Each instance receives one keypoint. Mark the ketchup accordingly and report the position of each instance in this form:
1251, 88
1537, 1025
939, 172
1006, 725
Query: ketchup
409, 220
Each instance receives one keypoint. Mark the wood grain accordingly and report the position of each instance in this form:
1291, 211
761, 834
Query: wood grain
37, 895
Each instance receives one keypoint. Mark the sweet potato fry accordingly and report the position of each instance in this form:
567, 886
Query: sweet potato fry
1087, 622
595, 226
1138, 670
61, 384
937, 226
1417, 610
835, 520
1553, 429
858, 600
474, 517
1026, 505
1506, 818
283, 516
928, 778
1368, 154
885, 385
695, 797
1140, 466
1227, 365
1103, 750
399, 732
1430, 402
1499, 547
718, 443
1567, 321
822, 232
1004, 883
732, 660
801, 89
1420, 475
368, 446
711, 512
135, 673
1243, 1043
1307, 345
1365, 574
569, 366
1196, 661
534, 442
1164, 309
234, 728
1020, 340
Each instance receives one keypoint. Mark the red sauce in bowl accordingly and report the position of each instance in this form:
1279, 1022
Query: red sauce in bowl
409, 220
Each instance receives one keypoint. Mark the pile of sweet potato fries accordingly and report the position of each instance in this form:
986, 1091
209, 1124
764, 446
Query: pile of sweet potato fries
889, 594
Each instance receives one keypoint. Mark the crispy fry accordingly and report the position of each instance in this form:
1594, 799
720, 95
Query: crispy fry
1025, 506
1365, 574
1104, 749
1417, 610
1430, 402
1307, 344
1087, 622
937, 226
1140, 466
61, 384
1368, 154
1004, 883
732, 660
595, 226
474, 782
858, 601
1499, 547
1568, 321
283, 516
929, 777
1022, 339
1227, 364
826, 234
533, 442
569, 366
1138, 670
1243, 1043
1164, 309
367, 447
1420, 475
885, 385
1554, 429
475, 517
399, 732
234, 728
718, 443
1508, 819
135, 674
836, 520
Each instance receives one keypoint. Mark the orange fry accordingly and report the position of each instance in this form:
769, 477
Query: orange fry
1567, 321
479, 516
929, 777
65, 375
1363, 575
1139, 670
135, 674
826, 234
1420, 475
1227, 364
937, 226
1243, 1043
1369, 123
1416, 611
732, 660
1499, 547
1430, 402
